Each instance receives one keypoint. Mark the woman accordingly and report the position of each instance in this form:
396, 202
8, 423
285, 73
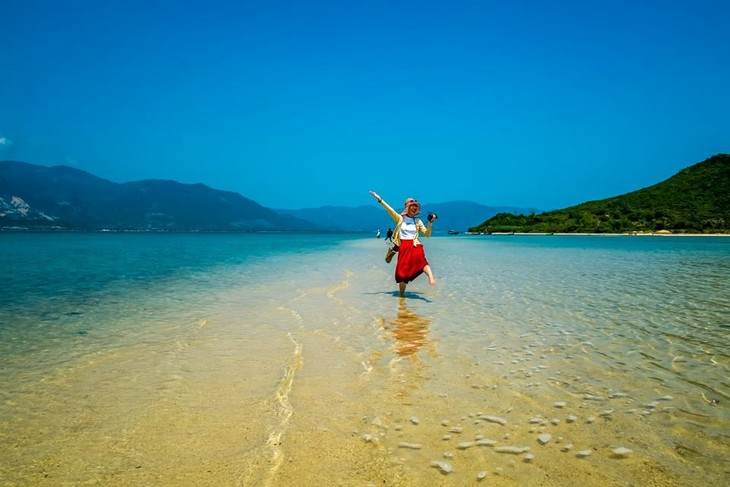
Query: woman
411, 257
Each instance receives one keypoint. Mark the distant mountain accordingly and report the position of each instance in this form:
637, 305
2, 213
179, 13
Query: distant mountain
453, 215
695, 200
40, 197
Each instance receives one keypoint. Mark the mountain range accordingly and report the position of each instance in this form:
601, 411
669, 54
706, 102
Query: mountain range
452, 215
34, 197
61, 197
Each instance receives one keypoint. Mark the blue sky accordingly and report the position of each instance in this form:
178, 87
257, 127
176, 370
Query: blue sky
300, 104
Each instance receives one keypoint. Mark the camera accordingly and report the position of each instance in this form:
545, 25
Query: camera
432, 216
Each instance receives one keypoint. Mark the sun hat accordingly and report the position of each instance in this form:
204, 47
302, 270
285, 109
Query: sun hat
409, 202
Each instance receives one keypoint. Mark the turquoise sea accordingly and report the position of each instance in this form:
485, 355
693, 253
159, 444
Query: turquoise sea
289, 360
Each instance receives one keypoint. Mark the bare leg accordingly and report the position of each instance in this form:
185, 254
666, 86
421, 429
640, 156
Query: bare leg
402, 288
431, 280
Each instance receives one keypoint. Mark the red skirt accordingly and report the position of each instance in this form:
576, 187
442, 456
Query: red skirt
411, 261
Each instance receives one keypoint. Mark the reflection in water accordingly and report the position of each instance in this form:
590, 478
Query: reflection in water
409, 329
408, 370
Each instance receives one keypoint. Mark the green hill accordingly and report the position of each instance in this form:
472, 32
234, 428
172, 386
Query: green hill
695, 200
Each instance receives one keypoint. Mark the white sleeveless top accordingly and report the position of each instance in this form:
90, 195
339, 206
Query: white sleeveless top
409, 229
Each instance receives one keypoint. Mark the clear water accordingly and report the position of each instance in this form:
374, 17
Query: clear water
278, 359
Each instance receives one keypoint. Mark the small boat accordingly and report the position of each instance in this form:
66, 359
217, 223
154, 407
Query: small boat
453, 232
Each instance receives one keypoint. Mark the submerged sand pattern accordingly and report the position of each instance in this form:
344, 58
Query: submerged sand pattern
263, 472
510, 372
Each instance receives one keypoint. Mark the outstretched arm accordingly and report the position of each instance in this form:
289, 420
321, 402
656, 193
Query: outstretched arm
393, 214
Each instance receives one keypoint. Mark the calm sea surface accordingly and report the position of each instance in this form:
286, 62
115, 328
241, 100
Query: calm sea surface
287, 360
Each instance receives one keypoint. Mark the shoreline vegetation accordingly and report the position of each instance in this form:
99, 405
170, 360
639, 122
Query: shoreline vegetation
589, 234
696, 200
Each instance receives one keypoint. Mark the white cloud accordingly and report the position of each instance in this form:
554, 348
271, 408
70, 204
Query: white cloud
4, 141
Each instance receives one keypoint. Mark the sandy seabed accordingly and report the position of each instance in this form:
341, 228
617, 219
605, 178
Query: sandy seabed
337, 381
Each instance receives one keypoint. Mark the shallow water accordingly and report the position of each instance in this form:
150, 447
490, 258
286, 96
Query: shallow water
290, 360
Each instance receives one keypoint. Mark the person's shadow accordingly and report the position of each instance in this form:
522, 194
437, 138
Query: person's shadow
409, 294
